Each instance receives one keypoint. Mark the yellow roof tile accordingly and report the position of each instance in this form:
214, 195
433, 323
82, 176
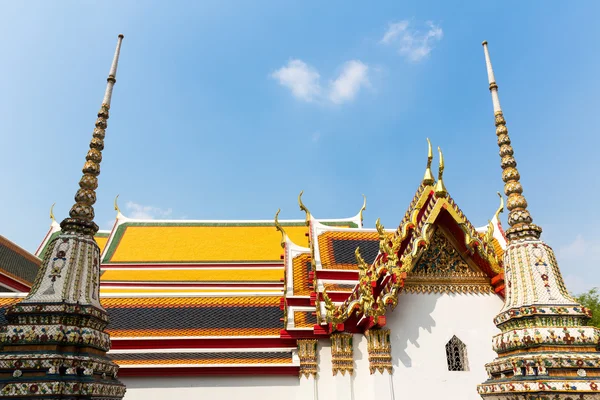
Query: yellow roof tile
101, 241
301, 267
193, 275
174, 302
251, 243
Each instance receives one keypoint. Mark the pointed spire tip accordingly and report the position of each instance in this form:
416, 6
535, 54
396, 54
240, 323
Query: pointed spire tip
484, 43
121, 35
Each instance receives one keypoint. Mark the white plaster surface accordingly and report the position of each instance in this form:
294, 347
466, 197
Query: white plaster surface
422, 324
216, 388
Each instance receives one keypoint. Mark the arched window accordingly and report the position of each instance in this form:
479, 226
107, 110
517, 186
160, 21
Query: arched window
456, 354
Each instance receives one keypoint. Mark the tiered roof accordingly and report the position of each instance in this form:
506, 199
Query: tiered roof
211, 297
18, 267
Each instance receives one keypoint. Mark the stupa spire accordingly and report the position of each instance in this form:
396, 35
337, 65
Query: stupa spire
544, 332
81, 216
54, 343
519, 218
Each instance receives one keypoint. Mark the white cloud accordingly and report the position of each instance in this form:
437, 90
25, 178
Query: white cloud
393, 31
579, 262
304, 81
300, 78
138, 211
412, 43
348, 83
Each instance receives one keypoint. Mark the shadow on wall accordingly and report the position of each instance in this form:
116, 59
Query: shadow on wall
209, 381
414, 316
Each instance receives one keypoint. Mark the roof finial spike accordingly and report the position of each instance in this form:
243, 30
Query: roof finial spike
117, 209
303, 207
500, 208
363, 208
519, 218
81, 216
428, 179
112, 74
52, 213
440, 188
280, 229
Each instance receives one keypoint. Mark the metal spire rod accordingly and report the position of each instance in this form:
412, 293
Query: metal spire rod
81, 216
519, 218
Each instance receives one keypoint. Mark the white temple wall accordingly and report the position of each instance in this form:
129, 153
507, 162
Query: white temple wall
214, 387
422, 324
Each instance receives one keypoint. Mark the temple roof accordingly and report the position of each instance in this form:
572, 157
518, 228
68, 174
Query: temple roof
195, 331
18, 267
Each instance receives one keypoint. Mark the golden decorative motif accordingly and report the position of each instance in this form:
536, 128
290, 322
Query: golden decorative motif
488, 237
280, 229
380, 350
428, 178
418, 228
342, 359
364, 284
440, 258
440, 188
307, 352
303, 207
52, 212
361, 303
117, 209
468, 282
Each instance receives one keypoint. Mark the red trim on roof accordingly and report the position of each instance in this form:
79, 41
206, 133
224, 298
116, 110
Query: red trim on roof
338, 297
338, 275
192, 285
285, 334
13, 283
200, 343
297, 302
110, 265
195, 371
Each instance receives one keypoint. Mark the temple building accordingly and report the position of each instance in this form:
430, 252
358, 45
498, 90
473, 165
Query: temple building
319, 308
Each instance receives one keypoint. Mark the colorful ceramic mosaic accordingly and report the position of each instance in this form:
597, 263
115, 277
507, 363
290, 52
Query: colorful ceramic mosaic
545, 351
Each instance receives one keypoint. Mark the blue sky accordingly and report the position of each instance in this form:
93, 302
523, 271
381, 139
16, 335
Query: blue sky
226, 110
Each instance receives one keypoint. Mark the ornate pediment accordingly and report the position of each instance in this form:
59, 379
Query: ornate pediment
443, 269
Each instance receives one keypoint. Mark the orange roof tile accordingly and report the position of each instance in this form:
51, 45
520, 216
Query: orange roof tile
336, 248
301, 266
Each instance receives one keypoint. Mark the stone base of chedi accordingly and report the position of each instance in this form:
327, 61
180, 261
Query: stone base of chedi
58, 349
545, 352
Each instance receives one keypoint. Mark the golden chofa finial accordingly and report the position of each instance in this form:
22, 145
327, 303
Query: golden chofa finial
280, 229
117, 209
428, 179
501, 208
52, 212
363, 208
303, 207
440, 188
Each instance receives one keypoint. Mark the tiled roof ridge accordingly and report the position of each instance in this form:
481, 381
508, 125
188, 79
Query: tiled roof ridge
15, 277
18, 249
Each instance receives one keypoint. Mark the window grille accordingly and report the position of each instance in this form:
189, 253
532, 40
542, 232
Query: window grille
456, 354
